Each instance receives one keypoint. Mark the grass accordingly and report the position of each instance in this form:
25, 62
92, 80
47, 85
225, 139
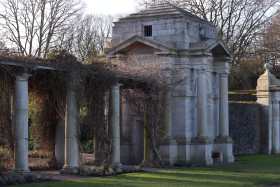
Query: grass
253, 92
254, 170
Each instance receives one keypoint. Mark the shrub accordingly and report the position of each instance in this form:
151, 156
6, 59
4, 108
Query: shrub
15, 178
89, 146
111, 169
5, 165
30, 145
89, 162
37, 145
38, 166
39, 154
3, 142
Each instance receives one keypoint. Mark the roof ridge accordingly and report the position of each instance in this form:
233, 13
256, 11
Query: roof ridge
162, 9
185, 11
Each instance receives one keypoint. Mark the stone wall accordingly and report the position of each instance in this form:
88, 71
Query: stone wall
242, 97
173, 32
244, 127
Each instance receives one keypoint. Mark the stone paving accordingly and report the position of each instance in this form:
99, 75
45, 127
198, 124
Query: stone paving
55, 175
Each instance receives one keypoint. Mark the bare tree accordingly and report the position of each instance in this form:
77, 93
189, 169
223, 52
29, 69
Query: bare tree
86, 39
270, 42
34, 26
146, 95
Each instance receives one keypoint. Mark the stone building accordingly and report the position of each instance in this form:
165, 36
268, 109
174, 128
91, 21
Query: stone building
197, 118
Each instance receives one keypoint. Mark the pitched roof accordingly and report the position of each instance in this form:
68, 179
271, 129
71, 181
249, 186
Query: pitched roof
139, 39
164, 10
215, 46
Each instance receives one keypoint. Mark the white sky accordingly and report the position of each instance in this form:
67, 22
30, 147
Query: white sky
111, 7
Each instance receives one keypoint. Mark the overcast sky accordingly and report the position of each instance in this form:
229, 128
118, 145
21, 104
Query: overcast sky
110, 6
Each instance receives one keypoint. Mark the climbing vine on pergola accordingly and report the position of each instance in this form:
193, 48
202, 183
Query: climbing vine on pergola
144, 87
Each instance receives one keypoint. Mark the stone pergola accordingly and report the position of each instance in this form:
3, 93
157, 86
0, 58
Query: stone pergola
196, 116
66, 143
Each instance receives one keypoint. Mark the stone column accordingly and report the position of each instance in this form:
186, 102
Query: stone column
114, 120
275, 127
223, 107
60, 143
224, 138
71, 162
21, 125
202, 106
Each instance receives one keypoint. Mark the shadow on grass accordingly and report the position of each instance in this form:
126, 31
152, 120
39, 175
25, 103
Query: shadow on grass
256, 170
158, 179
134, 181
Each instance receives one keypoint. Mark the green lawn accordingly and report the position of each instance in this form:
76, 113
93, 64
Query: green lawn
255, 170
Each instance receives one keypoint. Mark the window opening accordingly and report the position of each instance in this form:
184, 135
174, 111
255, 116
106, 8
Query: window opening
148, 30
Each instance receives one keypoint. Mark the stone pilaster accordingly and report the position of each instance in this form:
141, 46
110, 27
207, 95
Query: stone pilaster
71, 162
114, 120
215, 98
167, 116
169, 147
21, 125
275, 127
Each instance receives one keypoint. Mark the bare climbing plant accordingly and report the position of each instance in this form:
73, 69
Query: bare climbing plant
146, 95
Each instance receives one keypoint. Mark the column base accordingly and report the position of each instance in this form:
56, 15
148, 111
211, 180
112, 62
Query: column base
201, 140
202, 153
59, 165
228, 158
21, 172
226, 149
148, 164
169, 152
223, 139
275, 151
72, 170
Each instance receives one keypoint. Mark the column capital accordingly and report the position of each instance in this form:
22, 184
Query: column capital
22, 77
275, 102
201, 71
223, 74
116, 86
72, 85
